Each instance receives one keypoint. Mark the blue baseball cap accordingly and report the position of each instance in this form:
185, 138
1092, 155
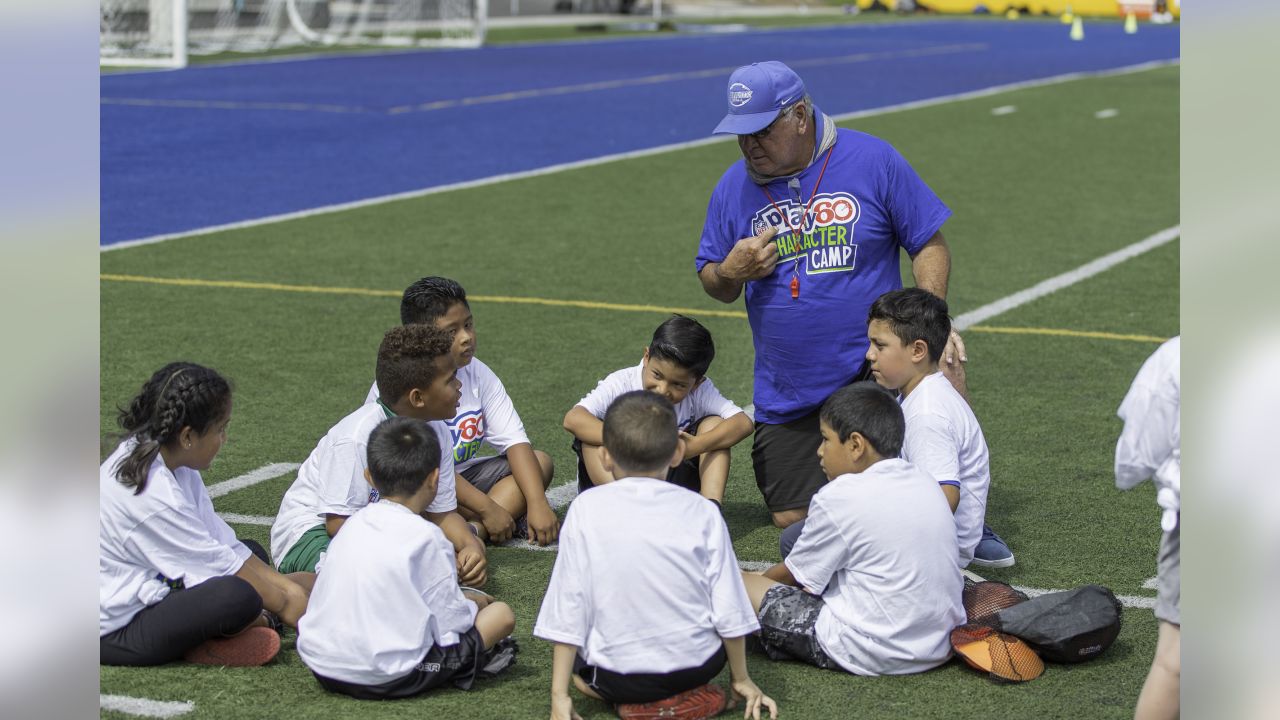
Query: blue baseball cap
757, 93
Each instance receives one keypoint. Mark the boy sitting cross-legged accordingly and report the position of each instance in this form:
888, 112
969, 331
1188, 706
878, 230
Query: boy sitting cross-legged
675, 367
646, 603
388, 619
418, 378
871, 586
501, 495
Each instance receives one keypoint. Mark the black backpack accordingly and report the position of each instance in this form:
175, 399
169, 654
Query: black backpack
1067, 627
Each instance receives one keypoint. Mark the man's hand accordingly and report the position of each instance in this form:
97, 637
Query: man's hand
472, 566
952, 365
751, 258
544, 526
746, 690
498, 523
562, 708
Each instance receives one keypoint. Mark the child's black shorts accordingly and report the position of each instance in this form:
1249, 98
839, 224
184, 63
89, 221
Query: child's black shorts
687, 474
459, 663
648, 687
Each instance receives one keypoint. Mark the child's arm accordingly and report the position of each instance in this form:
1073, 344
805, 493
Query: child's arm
333, 523
725, 435
544, 526
586, 427
280, 595
561, 669
953, 495
468, 548
780, 573
743, 687
496, 520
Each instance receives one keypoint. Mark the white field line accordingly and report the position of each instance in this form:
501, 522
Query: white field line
604, 159
1054, 284
237, 518
144, 707
1004, 110
1151, 583
1106, 114
262, 474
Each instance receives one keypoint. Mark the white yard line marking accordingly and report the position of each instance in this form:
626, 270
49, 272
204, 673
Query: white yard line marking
262, 474
1129, 601
1151, 584
1004, 110
144, 707
562, 495
676, 76
1106, 114
232, 105
237, 518
1067, 279
604, 159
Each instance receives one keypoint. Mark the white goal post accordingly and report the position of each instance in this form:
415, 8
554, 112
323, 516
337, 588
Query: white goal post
164, 33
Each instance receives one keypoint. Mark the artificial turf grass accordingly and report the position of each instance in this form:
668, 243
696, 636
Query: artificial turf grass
1047, 405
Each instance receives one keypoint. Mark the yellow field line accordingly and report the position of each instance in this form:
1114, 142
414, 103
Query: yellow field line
505, 299
584, 304
1065, 333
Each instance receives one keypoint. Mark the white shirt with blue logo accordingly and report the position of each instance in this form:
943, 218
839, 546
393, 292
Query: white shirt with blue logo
704, 401
486, 415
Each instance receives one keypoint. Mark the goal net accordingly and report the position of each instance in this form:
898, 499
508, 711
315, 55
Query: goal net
163, 33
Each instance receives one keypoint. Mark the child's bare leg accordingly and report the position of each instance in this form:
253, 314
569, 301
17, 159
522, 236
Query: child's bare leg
1159, 697
584, 688
306, 579
595, 468
506, 492
495, 621
713, 466
757, 586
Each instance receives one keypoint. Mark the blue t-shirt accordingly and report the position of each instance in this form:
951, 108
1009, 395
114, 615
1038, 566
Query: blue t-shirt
870, 203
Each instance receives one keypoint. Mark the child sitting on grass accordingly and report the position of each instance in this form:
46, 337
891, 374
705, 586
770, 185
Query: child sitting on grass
646, 604
173, 579
388, 619
871, 586
418, 379
675, 367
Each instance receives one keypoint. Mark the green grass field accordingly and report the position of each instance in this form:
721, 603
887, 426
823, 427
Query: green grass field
1035, 193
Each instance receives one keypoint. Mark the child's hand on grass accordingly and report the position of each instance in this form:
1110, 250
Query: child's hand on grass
498, 523
562, 708
754, 698
544, 526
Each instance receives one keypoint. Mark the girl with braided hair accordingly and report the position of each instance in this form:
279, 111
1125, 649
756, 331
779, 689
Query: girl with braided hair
174, 581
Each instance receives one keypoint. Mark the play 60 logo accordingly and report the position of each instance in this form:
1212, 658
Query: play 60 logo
467, 430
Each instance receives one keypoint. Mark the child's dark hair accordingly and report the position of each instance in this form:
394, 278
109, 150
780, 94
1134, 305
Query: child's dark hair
869, 410
178, 395
407, 359
914, 314
430, 298
685, 342
640, 431
402, 453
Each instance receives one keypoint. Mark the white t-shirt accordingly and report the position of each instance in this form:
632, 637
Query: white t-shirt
704, 401
878, 548
1150, 444
485, 415
944, 439
169, 531
387, 593
332, 482
646, 580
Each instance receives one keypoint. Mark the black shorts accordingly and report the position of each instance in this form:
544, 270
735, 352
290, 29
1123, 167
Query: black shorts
687, 474
648, 687
486, 473
459, 663
785, 458
788, 616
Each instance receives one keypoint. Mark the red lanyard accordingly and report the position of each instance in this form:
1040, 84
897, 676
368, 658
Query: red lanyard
795, 267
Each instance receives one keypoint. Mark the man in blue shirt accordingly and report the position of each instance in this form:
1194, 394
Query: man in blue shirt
809, 224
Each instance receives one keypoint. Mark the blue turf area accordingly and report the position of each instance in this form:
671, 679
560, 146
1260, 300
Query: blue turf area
211, 145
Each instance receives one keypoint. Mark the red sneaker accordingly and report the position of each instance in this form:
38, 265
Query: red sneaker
255, 646
696, 704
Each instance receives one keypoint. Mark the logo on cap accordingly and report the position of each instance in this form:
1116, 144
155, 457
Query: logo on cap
739, 94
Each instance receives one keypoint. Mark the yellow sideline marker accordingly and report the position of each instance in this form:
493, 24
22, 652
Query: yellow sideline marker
552, 302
